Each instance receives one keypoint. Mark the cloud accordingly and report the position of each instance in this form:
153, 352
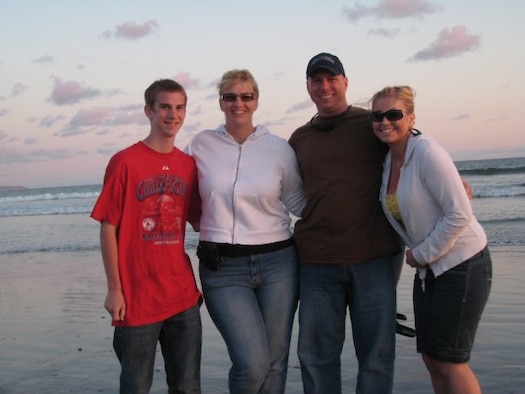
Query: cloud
461, 117
10, 155
90, 117
185, 79
86, 120
49, 121
405, 8
18, 89
299, 106
30, 141
108, 149
390, 9
358, 12
388, 33
46, 121
277, 122
7, 138
450, 42
71, 92
103, 132
131, 107
497, 119
132, 31
113, 92
4, 111
196, 111
44, 59
192, 127
128, 115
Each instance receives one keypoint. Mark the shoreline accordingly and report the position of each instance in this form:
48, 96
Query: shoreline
56, 336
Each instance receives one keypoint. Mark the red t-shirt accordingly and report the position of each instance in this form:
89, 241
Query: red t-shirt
148, 195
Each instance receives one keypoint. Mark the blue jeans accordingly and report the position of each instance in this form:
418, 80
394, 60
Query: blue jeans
368, 290
252, 301
180, 338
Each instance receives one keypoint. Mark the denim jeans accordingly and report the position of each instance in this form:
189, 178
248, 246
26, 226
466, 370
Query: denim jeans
368, 290
252, 301
448, 312
180, 338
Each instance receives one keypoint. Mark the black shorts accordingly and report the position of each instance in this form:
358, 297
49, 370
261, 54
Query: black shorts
448, 312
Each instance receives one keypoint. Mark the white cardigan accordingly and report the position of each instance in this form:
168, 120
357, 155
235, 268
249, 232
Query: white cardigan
248, 189
439, 225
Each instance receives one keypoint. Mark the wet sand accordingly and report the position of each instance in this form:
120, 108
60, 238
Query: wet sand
55, 336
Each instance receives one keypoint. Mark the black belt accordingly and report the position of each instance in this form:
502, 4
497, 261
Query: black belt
237, 250
481, 253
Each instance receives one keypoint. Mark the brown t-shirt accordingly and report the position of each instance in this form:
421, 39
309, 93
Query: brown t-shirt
341, 162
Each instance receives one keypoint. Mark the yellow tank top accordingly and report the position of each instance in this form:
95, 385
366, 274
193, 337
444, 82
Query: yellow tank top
392, 206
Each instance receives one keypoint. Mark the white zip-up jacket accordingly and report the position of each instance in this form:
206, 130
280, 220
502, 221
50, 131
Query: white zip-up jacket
247, 190
439, 225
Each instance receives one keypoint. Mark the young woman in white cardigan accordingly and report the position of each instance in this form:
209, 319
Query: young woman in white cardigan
425, 201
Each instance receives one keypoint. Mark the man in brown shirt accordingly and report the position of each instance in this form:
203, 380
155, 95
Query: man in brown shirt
346, 247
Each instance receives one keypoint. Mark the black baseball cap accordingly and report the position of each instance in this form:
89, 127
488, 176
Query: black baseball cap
327, 61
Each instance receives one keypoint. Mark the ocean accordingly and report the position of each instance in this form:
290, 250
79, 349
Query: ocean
498, 202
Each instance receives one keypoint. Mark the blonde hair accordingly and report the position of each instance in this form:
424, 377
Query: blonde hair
230, 78
402, 93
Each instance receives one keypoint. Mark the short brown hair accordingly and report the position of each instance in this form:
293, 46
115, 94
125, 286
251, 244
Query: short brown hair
162, 85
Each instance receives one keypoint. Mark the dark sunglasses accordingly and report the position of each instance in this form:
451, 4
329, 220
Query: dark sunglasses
391, 115
319, 123
231, 97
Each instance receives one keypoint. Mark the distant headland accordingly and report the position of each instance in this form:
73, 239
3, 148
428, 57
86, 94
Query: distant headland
10, 188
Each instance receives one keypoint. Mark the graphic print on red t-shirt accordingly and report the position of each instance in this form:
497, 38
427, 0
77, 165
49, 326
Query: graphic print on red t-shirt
163, 209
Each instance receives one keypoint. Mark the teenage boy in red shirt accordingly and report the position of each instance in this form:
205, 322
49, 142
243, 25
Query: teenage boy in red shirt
148, 195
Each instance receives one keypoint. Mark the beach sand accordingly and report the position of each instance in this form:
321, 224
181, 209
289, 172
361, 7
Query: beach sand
55, 336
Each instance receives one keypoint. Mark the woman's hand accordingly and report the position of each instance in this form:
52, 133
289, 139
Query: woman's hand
411, 261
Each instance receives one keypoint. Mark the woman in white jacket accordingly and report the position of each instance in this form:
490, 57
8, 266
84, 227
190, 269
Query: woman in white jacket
249, 181
425, 201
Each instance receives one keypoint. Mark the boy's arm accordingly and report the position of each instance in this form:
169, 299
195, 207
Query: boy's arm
114, 304
194, 212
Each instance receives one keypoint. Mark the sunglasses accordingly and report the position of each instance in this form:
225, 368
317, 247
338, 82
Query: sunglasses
232, 97
391, 115
320, 124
